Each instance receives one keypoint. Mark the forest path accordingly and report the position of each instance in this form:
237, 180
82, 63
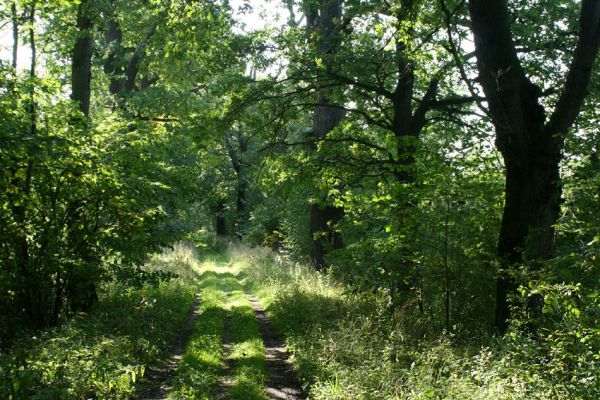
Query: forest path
227, 348
255, 364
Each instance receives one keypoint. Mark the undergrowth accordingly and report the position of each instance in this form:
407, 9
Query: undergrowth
103, 354
347, 346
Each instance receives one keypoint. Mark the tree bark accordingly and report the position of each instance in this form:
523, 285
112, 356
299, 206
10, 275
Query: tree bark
322, 22
221, 223
531, 148
81, 68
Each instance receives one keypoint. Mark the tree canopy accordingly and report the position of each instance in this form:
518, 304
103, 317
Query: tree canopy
443, 154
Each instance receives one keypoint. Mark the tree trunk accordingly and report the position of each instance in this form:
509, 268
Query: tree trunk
323, 21
324, 217
530, 146
531, 208
237, 153
221, 222
80, 283
15, 32
81, 68
324, 237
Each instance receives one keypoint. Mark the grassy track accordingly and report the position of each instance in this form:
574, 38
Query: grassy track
224, 313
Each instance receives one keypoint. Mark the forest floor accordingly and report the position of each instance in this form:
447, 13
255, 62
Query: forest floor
216, 332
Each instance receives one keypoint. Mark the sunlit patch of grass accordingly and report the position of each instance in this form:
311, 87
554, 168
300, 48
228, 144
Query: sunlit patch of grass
197, 374
248, 352
222, 297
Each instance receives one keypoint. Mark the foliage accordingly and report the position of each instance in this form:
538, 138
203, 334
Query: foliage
347, 346
200, 127
106, 353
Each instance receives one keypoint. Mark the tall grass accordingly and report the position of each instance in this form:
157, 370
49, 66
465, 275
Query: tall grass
347, 346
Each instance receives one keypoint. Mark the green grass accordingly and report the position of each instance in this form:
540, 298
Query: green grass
222, 297
106, 353
248, 352
346, 346
197, 374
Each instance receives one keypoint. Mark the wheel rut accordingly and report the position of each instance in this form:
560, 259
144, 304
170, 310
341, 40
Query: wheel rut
282, 381
225, 383
159, 378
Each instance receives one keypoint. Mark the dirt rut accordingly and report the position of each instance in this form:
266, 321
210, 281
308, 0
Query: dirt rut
282, 382
159, 377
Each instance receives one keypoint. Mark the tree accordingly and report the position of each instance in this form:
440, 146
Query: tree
323, 25
81, 65
531, 144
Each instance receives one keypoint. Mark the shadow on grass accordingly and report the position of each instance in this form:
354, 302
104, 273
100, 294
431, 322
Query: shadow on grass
224, 281
198, 372
101, 354
296, 311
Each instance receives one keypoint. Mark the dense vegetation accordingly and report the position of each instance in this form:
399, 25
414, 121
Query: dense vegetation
426, 175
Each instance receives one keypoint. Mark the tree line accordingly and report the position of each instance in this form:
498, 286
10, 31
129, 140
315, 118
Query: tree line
441, 153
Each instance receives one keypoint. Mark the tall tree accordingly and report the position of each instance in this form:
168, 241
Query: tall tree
531, 144
323, 23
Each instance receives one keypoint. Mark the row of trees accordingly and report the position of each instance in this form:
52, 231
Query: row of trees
357, 135
382, 123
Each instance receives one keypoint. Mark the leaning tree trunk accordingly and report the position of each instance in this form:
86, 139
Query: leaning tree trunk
531, 147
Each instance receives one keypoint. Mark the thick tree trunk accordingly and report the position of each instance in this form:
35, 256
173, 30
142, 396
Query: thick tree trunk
81, 69
324, 217
531, 148
531, 208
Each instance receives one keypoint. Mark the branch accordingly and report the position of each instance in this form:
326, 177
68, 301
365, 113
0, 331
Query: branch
421, 111
580, 72
371, 88
454, 52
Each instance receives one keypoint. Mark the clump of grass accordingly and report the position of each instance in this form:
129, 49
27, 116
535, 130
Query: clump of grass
348, 346
106, 353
